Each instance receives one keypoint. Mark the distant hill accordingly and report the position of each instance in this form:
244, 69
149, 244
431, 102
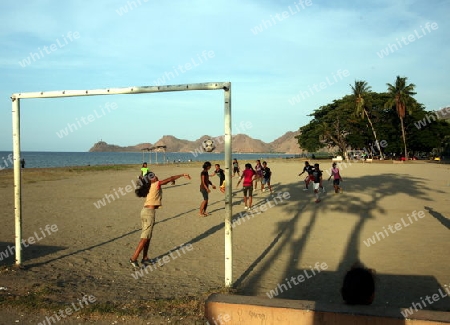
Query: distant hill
444, 113
102, 146
240, 143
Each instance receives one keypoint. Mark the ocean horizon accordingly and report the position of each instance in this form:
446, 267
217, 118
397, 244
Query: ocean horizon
47, 159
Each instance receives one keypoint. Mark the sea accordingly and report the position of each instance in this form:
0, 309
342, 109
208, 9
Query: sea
36, 159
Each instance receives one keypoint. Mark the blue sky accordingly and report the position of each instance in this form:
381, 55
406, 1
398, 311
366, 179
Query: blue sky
284, 59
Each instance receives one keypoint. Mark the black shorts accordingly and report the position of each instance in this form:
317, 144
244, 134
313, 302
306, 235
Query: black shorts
336, 181
204, 193
248, 190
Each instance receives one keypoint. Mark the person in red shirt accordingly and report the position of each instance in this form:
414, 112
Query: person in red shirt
248, 175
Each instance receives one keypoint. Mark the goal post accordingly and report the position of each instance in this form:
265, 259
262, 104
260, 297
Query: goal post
225, 86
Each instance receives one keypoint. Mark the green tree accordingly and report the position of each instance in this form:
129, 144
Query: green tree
336, 126
332, 126
427, 131
360, 90
400, 96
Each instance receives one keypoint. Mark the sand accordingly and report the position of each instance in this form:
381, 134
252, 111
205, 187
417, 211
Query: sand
87, 250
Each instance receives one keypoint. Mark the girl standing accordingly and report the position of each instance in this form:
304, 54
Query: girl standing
204, 188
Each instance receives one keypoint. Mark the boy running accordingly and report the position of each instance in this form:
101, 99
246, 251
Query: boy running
317, 174
309, 170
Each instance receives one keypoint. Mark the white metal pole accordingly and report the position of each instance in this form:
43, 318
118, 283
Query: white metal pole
228, 191
119, 91
17, 179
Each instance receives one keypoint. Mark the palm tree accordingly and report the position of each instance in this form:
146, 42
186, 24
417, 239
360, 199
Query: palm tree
400, 96
360, 90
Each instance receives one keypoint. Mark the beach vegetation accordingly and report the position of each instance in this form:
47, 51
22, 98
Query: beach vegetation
400, 97
336, 128
360, 90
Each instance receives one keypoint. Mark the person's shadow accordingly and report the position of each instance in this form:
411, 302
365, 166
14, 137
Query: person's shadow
440, 217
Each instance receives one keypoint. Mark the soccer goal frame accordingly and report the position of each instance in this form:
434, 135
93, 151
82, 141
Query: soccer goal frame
225, 86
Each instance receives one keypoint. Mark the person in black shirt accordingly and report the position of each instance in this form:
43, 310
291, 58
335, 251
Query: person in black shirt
236, 169
266, 177
309, 170
317, 174
204, 188
219, 172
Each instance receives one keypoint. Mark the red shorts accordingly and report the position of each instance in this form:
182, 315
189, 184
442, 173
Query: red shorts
309, 178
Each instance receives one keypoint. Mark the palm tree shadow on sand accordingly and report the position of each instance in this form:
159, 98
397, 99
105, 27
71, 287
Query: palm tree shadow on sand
396, 290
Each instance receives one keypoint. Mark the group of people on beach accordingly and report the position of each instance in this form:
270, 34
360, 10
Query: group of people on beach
250, 177
314, 174
358, 287
151, 189
359, 282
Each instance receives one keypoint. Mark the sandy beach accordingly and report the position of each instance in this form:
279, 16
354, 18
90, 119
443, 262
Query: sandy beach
395, 218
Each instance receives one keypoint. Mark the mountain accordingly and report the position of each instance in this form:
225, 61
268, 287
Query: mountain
287, 143
241, 143
443, 113
102, 146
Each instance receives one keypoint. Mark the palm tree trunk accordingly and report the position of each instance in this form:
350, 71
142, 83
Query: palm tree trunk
374, 134
404, 138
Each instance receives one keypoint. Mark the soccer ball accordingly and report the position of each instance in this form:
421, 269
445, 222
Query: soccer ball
208, 145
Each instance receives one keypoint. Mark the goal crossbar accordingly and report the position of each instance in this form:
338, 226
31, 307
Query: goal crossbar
225, 86
125, 90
